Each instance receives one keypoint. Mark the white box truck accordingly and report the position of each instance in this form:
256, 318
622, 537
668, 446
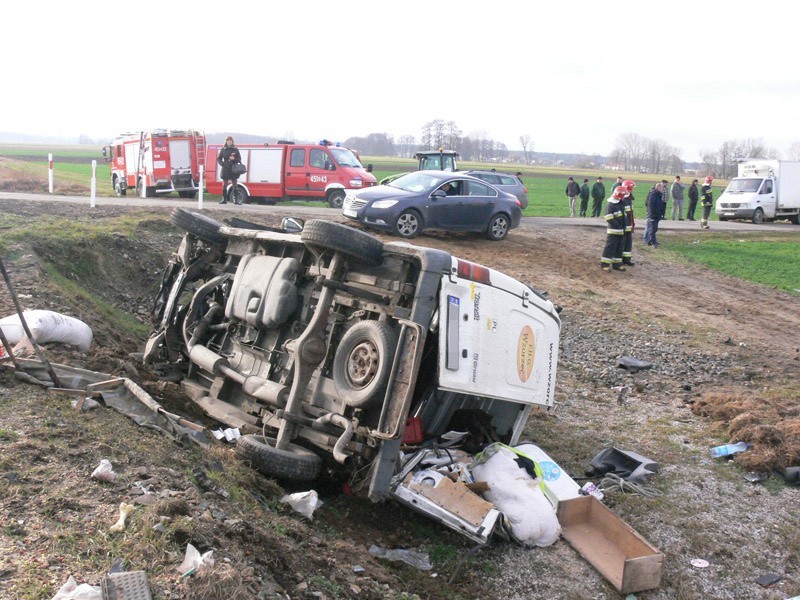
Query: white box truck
765, 190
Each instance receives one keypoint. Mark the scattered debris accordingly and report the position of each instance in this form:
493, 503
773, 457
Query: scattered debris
633, 365
754, 477
728, 449
628, 465
126, 586
48, 326
358, 569
700, 563
194, 562
768, 579
84, 404
105, 472
125, 510
791, 475
418, 560
204, 482
72, 591
231, 434
590, 489
304, 503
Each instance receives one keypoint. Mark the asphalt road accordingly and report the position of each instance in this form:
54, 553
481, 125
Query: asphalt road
211, 204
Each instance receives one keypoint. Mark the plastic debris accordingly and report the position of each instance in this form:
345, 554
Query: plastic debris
87, 404
358, 569
700, 563
728, 449
768, 579
126, 585
194, 562
628, 465
72, 591
105, 472
125, 511
304, 503
590, 489
418, 560
633, 365
48, 326
229, 435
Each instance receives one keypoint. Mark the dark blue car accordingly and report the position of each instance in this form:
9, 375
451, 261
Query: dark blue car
435, 200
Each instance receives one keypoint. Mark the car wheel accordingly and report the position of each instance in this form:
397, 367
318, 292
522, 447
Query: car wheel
295, 463
201, 226
118, 189
336, 199
363, 362
758, 216
408, 224
498, 227
340, 238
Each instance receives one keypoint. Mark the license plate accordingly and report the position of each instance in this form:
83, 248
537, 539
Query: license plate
349, 213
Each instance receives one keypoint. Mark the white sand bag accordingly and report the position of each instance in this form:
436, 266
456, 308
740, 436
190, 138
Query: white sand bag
517, 495
48, 326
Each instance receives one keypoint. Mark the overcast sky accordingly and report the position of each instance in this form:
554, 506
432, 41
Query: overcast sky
574, 75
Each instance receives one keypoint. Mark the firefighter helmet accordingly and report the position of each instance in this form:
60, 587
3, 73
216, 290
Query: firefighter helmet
709, 179
620, 193
629, 184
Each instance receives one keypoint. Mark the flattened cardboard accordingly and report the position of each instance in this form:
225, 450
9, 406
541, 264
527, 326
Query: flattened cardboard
628, 561
456, 497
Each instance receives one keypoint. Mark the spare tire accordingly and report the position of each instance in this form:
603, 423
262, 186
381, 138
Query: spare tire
294, 464
363, 363
201, 226
341, 238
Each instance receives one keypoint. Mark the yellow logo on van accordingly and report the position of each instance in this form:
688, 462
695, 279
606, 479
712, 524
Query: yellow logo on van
526, 352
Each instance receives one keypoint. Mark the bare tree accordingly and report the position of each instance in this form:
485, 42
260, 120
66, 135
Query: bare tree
527, 142
709, 158
794, 151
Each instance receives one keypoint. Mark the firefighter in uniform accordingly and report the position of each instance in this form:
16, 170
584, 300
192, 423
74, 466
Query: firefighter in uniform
627, 238
615, 230
707, 200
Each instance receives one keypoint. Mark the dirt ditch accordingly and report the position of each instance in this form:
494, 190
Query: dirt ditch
724, 366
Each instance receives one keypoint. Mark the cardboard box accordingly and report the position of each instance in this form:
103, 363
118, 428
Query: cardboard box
610, 545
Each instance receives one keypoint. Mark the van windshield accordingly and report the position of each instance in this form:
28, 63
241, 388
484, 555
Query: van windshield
738, 186
415, 182
345, 158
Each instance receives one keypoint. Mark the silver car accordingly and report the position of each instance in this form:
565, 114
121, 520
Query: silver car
506, 182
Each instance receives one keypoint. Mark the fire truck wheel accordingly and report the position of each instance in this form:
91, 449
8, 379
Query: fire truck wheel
340, 238
201, 226
149, 192
295, 463
239, 195
336, 198
118, 189
363, 362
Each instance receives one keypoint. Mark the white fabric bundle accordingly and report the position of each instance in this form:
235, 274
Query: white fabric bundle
48, 326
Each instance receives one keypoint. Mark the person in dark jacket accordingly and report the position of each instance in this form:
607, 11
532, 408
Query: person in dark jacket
655, 212
694, 196
229, 156
598, 195
584, 197
573, 191
707, 199
615, 231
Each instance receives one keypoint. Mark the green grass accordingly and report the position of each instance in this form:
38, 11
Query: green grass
770, 261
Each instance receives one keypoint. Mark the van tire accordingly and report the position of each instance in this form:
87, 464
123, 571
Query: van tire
336, 199
200, 226
294, 464
796, 219
758, 216
363, 363
340, 238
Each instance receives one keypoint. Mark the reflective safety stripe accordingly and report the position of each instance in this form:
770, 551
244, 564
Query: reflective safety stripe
607, 261
610, 231
627, 255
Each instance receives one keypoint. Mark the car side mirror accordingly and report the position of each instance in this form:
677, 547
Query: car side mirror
439, 194
369, 167
292, 224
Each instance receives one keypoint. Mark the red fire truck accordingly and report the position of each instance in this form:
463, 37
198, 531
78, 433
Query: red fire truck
156, 162
289, 171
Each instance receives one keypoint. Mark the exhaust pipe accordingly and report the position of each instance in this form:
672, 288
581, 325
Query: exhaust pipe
338, 448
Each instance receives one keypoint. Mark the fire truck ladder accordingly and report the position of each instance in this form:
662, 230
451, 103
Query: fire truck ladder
139, 160
200, 152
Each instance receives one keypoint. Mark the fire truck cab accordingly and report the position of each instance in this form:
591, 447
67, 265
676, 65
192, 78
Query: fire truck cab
156, 162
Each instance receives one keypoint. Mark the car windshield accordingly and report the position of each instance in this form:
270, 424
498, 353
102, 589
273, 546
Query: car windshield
344, 157
415, 182
743, 185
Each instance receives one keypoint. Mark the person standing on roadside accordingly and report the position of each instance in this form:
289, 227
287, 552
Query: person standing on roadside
229, 156
617, 183
615, 231
584, 197
572, 191
707, 198
664, 198
598, 195
655, 211
627, 238
694, 195
676, 191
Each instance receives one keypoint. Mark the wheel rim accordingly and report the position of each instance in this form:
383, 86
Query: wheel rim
362, 364
407, 224
759, 217
337, 200
499, 227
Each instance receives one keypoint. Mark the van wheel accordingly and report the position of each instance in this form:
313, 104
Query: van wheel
498, 227
408, 224
363, 363
336, 199
118, 189
295, 463
340, 238
796, 219
758, 216
201, 226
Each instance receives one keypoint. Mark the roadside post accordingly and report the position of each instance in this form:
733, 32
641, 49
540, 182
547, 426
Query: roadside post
94, 184
50, 173
200, 190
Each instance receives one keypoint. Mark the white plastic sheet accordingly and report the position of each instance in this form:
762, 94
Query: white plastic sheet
48, 326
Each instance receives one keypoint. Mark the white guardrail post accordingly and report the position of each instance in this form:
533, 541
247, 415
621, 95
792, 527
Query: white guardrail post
50, 173
94, 184
200, 190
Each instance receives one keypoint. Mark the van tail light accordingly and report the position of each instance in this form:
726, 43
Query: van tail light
474, 272
413, 433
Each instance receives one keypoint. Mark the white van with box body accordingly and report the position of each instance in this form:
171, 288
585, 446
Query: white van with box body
765, 190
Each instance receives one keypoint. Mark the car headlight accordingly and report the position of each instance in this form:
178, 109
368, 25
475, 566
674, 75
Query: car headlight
356, 182
384, 203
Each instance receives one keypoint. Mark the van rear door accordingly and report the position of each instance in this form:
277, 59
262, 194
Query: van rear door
497, 338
